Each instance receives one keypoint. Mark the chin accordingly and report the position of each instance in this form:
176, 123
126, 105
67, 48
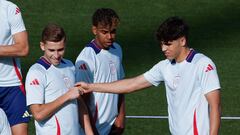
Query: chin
56, 63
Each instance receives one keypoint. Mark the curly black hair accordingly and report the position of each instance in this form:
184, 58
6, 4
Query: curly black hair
172, 29
105, 17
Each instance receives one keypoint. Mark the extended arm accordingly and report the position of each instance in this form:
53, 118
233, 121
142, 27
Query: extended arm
19, 48
213, 99
121, 86
43, 111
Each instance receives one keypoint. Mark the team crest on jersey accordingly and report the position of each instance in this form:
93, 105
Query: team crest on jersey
112, 68
176, 81
67, 81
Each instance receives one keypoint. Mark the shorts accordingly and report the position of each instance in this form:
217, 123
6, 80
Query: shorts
13, 102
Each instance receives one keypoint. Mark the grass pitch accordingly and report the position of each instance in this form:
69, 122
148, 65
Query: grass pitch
214, 32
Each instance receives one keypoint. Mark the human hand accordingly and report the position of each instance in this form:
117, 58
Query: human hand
73, 93
118, 127
83, 87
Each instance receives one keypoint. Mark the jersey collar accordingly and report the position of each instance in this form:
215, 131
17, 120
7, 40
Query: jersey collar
96, 47
189, 58
42, 61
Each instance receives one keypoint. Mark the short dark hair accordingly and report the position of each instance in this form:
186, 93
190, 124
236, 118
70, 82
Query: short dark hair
172, 29
105, 17
54, 33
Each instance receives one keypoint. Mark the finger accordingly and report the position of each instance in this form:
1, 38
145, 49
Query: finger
77, 84
81, 90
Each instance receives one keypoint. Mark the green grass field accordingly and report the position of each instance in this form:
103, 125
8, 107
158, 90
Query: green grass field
214, 32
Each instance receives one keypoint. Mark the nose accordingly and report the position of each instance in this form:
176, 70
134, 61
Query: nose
56, 54
109, 36
164, 47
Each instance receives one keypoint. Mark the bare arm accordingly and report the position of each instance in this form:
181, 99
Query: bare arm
86, 100
84, 117
43, 111
121, 86
19, 48
213, 99
119, 124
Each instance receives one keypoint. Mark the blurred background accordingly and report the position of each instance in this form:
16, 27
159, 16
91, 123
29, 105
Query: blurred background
214, 31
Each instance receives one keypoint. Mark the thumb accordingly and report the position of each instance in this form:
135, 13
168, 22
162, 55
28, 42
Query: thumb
78, 84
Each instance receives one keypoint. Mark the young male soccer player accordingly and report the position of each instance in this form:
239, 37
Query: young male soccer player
4, 125
50, 92
191, 81
101, 61
13, 44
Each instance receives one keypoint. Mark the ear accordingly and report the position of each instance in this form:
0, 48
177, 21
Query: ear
42, 46
94, 30
183, 41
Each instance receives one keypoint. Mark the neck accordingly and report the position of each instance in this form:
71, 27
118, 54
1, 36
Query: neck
98, 44
183, 55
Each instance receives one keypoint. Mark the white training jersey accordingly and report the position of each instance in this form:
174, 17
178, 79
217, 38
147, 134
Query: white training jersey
44, 84
10, 23
4, 125
186, 84
95, 65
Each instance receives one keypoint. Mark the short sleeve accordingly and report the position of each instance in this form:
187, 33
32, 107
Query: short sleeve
84, 66
122, 73
154, 75
209, 80
35, 87
15, 19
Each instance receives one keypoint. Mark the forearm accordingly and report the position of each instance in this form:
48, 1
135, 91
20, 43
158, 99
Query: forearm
44, 111
18, 49
121, 86
84, 117
213, 99
215, 119
122, 112
13, 51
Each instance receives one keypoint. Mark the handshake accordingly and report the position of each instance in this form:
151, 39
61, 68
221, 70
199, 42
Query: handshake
79, 89
83, 87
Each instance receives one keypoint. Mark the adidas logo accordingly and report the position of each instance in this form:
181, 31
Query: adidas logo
17, 10
83, 67
26, 114
34, 82
209, 68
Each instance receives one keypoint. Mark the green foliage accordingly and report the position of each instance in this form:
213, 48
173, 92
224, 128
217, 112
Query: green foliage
214, 32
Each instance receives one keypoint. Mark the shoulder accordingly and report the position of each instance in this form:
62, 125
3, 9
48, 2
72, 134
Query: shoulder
164, 63
116, 45
88, 53
36, 70
7, 5
200, 58
67, 62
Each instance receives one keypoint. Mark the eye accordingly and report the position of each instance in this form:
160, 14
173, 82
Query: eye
104, 32
51, 50
113, 31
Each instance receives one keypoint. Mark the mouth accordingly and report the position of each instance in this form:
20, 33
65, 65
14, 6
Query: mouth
110, 42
